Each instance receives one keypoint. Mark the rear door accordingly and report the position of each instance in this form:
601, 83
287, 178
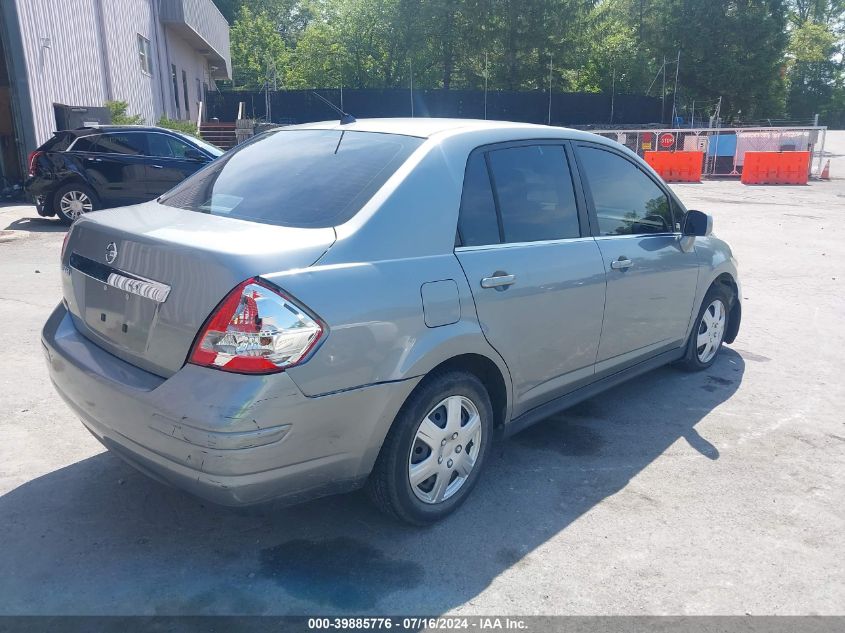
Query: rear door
169, 164
116, 166
536, 275
651, 279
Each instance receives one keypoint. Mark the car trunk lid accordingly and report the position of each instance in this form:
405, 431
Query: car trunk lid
140, 281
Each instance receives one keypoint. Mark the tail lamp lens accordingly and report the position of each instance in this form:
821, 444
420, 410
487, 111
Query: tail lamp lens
256, 330
64, 244
32, 161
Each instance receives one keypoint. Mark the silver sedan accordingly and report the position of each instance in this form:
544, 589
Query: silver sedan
372, 303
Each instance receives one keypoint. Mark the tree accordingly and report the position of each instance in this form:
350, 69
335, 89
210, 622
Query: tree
256, 48
763, 57
815, 71
729, 48
118, 109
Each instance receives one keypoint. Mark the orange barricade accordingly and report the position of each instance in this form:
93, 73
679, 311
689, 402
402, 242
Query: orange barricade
776, 168
676, 166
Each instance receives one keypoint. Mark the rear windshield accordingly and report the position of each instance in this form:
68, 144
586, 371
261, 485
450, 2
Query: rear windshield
299, 178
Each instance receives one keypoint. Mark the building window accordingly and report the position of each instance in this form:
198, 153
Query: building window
175, 90
185, 92
144, 54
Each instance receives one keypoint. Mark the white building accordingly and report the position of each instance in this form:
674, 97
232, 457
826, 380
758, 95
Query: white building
160, 56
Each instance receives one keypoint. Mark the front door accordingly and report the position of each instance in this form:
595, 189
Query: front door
651, 278
117, 167
536, 276
169, 163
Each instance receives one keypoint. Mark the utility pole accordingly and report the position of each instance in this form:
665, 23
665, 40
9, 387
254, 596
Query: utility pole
663, 93
486, 75
612, 93
340, 74
551, 65
411, 64
715, 118
692, 121
675, 92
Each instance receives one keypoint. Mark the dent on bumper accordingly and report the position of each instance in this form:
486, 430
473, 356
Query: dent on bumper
230, 438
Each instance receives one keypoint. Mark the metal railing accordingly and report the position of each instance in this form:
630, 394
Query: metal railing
724, 148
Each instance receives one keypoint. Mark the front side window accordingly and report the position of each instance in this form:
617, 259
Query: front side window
627, 201
167, 146
535, 193
129, 143
144, 54
298, 178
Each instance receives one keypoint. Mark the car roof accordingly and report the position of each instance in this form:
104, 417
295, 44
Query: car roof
99, 129
425, 127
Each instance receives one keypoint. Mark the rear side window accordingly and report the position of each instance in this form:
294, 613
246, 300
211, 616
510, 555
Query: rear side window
299, 178
627, 201
131, 143
86, 143
535, 193
478, 225
59, 143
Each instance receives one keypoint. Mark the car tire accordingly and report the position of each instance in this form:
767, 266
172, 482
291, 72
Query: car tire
426, 439
708, 332
74, 199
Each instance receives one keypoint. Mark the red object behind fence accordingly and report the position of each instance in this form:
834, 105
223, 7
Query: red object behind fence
776, 168
676, 166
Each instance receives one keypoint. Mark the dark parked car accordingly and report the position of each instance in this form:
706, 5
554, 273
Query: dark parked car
83, 170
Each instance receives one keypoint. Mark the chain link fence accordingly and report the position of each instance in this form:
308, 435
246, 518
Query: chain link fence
724, 148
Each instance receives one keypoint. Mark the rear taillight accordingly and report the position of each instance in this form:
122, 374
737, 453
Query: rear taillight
256, 330
32, 161
64, 244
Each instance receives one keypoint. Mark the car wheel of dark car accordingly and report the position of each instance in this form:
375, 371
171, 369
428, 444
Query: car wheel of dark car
72, 200
707, 335
436, 449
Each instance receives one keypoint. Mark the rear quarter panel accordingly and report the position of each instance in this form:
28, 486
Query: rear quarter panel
376, 326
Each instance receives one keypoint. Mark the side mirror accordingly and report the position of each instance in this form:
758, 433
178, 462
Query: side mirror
698, 224
195, 154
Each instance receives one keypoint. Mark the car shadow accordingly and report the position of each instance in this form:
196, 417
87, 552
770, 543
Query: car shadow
97, 537
38, 225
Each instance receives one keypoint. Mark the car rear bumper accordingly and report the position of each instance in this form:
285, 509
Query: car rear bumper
40, 191
229, 438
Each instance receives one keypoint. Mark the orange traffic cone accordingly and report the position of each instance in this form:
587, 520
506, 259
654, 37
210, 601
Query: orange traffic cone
826, 171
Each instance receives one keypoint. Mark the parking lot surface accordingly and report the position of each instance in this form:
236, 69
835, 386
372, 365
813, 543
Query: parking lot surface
712, 493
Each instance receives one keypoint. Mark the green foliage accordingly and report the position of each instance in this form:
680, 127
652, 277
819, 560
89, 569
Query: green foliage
815, 70
257, 48
119, 116
812, 42
746, 51
186, 127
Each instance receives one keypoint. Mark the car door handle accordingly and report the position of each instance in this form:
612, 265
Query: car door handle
156, 166
498, 281
623, 263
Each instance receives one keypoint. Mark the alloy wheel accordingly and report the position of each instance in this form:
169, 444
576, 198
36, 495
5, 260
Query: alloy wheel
711, 330
74, 203
445, 449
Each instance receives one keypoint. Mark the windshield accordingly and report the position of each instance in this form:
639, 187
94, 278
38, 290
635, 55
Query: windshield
299, 178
